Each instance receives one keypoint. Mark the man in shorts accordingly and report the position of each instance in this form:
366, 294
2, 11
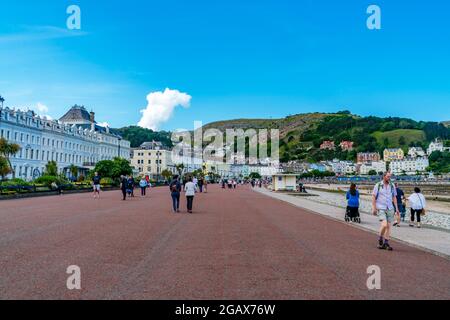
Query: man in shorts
96, 185
384, 204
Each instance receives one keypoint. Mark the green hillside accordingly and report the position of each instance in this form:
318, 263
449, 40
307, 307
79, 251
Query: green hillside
293, 125
137, 135
301, 135
400, 137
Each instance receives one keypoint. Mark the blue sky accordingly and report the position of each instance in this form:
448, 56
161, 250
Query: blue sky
236, 59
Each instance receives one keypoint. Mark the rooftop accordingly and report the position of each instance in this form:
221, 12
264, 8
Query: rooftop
76, 114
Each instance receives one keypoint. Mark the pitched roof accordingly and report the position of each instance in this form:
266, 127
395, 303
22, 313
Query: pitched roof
76, 113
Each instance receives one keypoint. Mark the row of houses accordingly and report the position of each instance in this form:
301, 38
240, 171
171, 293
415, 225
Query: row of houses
152, 159
409, 166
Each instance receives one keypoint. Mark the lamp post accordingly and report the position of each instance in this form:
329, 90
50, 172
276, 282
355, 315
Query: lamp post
120, 139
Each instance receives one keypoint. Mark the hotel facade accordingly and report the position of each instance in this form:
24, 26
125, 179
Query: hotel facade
75, 139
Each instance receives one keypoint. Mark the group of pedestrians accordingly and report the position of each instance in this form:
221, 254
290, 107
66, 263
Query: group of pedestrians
230, 183
190, 188
389, 204
127, 185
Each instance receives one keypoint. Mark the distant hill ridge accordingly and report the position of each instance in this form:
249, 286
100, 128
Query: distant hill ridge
302, 134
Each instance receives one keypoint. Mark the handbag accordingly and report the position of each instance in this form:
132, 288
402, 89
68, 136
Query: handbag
422, 212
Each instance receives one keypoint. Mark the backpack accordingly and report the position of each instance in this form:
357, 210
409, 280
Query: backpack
174, 187
379, 186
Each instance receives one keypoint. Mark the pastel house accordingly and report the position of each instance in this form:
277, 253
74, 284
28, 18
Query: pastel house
284, 182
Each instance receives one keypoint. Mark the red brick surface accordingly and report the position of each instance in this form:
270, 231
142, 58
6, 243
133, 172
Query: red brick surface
238, 244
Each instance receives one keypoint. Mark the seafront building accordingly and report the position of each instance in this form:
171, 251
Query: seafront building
415, 152
363, 157
409, 166
393, 154
377, 166
151, 159
75, 139
436, 145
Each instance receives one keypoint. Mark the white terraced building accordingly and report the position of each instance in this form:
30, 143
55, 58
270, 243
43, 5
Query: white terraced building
75, 139
410, 166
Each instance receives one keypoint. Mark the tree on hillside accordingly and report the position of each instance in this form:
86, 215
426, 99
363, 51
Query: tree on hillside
8, 150
138, 135
402, 141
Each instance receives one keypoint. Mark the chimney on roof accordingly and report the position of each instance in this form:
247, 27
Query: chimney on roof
92, 119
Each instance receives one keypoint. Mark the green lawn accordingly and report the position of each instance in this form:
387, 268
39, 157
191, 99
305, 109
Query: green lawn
410, 135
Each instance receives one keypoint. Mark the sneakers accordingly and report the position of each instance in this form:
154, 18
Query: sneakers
385, 246
380, 243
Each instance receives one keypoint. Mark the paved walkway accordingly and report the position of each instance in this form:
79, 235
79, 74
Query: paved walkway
238, 244
435, 241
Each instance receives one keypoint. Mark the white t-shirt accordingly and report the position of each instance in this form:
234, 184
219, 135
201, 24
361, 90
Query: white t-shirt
190, 189
417, 201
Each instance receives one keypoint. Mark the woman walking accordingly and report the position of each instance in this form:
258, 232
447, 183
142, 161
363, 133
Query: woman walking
175, 190
418, 203
190, 188
124, 186
352, 196
143, 185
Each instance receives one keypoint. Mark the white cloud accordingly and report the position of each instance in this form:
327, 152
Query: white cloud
39, 33
41, 108
104, 124
161, 106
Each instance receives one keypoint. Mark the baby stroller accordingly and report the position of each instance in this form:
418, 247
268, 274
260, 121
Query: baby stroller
352, 214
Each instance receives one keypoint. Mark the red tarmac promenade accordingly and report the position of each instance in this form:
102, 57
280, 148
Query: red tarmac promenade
238, 244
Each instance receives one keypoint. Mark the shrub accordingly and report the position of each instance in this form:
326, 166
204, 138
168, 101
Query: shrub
107, 182
48, 180
14, 182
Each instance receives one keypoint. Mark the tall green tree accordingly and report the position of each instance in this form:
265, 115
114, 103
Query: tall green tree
167, 174
51, 169
5, 169
113, 168
8, 150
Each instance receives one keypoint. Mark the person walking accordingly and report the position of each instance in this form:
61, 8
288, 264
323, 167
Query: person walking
418, 203
131, 186
124, 186
175, 190
205, 185
352, 197
384, 204
96, 185
401, 208
143, 185
190, 188
200, 184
